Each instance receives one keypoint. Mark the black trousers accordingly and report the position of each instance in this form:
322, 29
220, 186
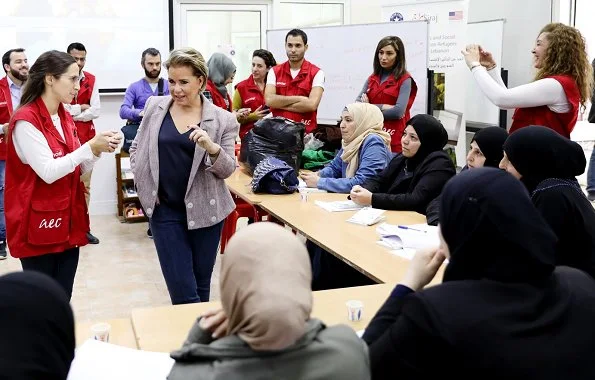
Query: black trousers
330, 272
60, 266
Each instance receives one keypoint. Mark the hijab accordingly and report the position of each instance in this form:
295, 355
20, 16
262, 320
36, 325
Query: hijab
368, 121
266, 286
493, 231
491, 142
432, 136
221, 67
539, 153
36, 327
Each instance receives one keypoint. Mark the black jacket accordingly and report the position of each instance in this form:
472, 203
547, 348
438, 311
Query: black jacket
570, 215
397, 189
488, 330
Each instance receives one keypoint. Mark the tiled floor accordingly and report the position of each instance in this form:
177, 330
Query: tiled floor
119, 274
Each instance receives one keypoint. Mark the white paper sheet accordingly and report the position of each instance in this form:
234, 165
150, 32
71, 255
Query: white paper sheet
338, 206
414, 236
96, 360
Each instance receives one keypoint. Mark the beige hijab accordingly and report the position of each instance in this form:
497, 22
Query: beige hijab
266, 286
368, 120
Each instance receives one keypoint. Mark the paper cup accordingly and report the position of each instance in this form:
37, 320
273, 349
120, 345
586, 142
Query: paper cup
101, 331
355, 310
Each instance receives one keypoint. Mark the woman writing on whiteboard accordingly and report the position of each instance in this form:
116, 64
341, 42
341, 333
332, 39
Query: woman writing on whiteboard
563, 81
391, 88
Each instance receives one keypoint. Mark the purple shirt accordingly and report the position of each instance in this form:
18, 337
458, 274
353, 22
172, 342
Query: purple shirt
135, 98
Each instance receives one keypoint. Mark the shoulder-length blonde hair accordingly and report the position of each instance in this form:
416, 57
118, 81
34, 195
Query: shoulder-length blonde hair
567, 54
191, 58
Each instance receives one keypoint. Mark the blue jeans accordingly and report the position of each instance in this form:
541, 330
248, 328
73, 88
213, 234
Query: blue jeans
2, 221
187, 257
59, 266
591, 173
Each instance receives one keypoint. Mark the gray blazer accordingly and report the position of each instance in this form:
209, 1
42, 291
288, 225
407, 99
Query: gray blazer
207, 198
323, 353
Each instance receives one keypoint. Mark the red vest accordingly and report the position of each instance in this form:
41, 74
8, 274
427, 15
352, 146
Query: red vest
44, 218
218, 99
563, 123
387, 93
252, 98
5, 112
301, 85
85, 129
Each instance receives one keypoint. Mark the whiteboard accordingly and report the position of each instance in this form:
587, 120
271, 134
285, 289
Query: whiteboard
488, 34
114, 32
345, 53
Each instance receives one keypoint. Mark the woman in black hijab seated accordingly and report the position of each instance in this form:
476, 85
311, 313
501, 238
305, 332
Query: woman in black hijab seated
415, 177
503, 310
36, 328
486, 151
547, 164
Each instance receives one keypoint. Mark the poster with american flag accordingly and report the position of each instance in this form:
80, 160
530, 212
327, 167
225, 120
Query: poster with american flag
455, 15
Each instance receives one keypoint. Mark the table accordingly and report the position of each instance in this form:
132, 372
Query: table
164, 329
354, 244
121, 333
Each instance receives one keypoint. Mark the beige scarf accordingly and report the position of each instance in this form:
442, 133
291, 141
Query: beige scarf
266, 286
368, 120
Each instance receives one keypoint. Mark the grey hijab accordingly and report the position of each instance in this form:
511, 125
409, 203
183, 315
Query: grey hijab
220, 68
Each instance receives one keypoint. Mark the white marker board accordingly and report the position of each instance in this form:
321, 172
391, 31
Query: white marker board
345, 53
488, 34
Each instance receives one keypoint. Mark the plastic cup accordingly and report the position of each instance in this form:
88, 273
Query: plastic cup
304, 196
355, 310
101, 331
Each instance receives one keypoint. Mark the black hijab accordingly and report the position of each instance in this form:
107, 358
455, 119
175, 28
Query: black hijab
493, 231
36, 328
491, 141
539, 153
432, 136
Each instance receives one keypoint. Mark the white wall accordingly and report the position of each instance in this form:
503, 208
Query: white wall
103, 183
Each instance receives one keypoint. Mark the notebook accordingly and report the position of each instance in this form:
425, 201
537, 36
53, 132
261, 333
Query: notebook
338, 206
367, 216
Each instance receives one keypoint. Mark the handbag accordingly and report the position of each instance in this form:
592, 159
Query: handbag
131, 128
274, 176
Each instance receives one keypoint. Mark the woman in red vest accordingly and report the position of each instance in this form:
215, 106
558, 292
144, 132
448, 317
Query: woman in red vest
46, 213
222, 71
391, 88
564, 80
249, 93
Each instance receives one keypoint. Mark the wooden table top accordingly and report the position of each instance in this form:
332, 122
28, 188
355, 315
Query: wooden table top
121, 332
164, 329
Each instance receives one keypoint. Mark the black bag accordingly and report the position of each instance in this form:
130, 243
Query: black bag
330, 135
130, 129
274, 176
274, 136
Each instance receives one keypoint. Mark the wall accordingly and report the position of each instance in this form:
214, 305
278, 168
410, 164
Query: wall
103, 183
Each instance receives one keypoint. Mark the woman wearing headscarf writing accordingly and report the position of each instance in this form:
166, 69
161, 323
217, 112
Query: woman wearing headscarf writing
222, 71
36, 326
502, 311
415, 177
365, 151
548, 164
486, 151
264, 330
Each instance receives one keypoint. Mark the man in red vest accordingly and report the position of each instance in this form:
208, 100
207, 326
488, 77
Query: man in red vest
294, 88
84, 108
16, 68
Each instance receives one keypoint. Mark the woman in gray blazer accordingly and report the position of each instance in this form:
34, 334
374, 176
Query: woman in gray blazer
183, 151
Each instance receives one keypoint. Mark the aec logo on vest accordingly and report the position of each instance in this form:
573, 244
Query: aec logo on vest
52, 223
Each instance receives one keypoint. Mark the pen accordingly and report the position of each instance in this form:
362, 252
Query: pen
412, 229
